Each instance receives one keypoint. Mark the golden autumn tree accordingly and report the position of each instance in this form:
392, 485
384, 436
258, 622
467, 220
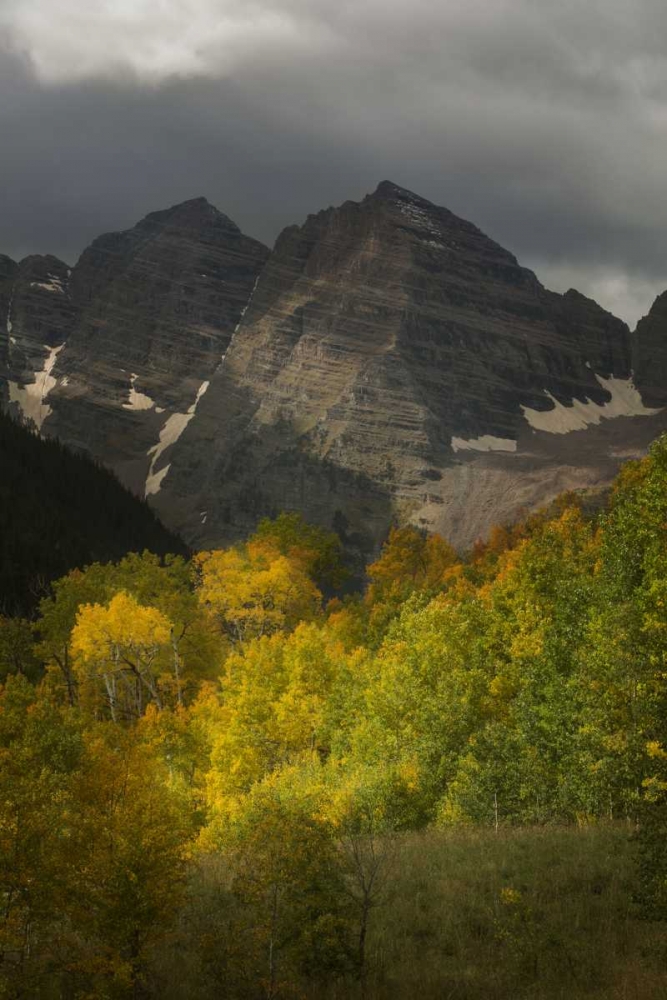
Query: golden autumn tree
131, 822
317, 550
277, 709
121, 654
40, 748
409, 561
164, 584
57, 618
255, 590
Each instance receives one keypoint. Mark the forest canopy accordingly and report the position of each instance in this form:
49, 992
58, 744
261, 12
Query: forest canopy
216, 722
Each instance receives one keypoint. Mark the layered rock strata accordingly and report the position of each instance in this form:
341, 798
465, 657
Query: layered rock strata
650, 353
113, 357
387, 361
36, 317
394, 362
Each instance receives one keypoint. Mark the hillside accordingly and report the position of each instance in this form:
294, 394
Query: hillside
60, 510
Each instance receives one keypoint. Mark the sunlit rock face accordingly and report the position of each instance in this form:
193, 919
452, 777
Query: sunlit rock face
394, 362
387, 361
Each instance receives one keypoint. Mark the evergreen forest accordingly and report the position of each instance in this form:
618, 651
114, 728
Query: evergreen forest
58, 510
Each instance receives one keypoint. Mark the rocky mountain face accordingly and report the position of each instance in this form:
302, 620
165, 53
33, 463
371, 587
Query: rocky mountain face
395, 362
142, 322
386, 361
650, 354
8, 269
38, 316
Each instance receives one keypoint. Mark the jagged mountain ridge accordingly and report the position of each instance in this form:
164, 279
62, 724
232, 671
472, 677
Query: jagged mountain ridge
650, 353
386, 360
395, 362
146, 315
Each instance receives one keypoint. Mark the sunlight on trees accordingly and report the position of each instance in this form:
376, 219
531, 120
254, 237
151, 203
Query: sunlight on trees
203, 753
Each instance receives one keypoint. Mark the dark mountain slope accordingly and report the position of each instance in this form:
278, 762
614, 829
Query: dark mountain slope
650, 353
156, 309
113, 355
59, 510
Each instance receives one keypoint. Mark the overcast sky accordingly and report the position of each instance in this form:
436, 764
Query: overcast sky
545, 123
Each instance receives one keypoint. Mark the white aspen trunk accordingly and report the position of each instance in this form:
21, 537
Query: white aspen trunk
111, 695
177, 671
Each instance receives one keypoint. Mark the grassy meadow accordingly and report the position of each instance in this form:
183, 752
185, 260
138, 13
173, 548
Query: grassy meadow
533, 913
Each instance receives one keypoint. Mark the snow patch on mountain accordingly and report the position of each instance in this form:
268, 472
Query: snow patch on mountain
484, 443
625, 402
137, 400
154, 481
52, 284
31, 397
244, 310
171, 430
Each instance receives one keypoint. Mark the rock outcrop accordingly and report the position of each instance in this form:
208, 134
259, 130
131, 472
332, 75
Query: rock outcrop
394, 362
650, 353
8, 269
38, 317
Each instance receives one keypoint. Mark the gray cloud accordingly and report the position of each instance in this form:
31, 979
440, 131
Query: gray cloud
543, 123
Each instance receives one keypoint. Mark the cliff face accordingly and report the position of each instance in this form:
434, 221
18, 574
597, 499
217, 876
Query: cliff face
395, 362
36, 318
650, 353
8, 269
386, 361
156, 308
113, 356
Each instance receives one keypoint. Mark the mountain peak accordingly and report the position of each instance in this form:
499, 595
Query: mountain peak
192, 212
650, 354
389, 191
386, 359
660, 304
7, 266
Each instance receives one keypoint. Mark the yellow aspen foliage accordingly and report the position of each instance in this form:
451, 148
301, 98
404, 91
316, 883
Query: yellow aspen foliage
131, 827
347, 622
409, 560
117, 651
316, 550
255, 590
277, 708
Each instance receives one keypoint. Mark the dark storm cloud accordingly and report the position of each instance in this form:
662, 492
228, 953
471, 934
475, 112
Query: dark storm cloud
543, 123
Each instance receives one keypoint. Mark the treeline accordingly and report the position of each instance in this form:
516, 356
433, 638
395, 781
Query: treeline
58, 510
204, 767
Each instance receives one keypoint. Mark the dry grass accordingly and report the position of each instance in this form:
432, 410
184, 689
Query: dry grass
538, 914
